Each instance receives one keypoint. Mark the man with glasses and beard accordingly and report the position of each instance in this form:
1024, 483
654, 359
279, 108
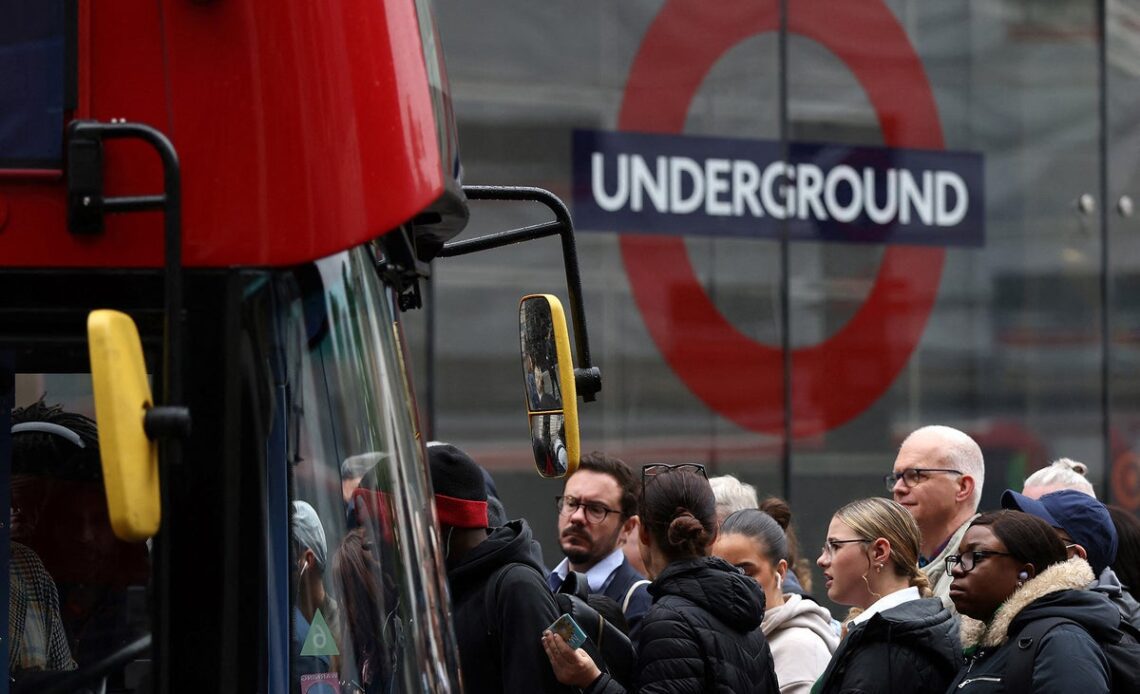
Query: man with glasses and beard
597, 515
937, 477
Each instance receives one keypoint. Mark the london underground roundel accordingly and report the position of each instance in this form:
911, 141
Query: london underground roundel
735, 375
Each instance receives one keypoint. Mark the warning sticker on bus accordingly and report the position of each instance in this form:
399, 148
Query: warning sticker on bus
323, 683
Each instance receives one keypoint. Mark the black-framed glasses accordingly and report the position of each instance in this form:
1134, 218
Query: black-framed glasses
968, 560
832, 546
654, 469
914, 475
595, 513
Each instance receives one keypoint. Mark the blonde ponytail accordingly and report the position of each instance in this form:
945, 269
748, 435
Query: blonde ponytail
920, 580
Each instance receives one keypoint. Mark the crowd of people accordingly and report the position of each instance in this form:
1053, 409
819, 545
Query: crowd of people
1034, 596
686, 584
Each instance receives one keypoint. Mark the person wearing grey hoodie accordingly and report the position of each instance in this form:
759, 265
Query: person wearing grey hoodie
799, 631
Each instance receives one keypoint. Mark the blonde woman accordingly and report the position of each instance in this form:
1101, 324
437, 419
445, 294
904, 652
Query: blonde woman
898, 638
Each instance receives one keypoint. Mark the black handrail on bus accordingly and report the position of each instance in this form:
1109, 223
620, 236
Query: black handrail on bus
587, 377
71, 681
169, 422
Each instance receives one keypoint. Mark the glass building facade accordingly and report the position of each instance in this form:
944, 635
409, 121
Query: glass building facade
799, 359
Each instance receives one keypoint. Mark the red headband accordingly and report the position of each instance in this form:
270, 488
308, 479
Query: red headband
461, 513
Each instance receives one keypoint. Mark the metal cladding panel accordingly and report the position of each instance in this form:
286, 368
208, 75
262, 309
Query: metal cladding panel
302, 129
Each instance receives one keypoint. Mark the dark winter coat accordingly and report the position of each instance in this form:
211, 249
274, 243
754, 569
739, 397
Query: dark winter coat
912, 647
500, 634
1108, 583
702, 634
1068, 659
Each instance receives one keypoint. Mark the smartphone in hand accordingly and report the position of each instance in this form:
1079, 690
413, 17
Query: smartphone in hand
568, 629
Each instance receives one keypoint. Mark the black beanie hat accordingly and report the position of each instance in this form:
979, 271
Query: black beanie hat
460, 490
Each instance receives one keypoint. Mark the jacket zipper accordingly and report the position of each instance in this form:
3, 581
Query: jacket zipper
970, 666
983, 678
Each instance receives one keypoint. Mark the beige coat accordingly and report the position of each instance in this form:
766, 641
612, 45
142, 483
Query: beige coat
802, 640
936, 569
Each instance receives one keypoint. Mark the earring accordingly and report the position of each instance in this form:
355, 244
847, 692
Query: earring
1022, 578
878, 568
869, 588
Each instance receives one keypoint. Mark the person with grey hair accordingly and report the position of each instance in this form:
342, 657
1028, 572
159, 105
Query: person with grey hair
937, 477
1061, 474
354, 468
732, 495
313, 609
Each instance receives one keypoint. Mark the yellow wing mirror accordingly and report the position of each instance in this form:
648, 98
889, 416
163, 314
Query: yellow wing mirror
122, 399
548, 384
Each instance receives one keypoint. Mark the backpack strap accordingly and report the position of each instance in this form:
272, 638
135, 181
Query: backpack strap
629, 593
491, 599
1019, 670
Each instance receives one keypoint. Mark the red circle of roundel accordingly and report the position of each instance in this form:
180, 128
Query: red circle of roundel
733, 374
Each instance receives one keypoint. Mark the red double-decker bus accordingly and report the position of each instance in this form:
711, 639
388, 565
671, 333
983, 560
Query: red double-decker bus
257, 188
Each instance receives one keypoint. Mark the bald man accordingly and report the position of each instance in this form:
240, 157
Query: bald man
938, 476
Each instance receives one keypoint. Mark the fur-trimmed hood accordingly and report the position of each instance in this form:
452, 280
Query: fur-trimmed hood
1072, 575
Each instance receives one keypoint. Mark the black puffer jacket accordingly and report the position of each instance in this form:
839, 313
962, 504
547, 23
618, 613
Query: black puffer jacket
1068, 659
500, 616
702, 634
912, 647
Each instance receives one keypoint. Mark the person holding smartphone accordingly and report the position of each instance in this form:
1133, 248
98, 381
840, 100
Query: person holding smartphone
702, 605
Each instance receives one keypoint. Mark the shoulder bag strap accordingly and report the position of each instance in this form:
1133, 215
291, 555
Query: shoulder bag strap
629, 593
1019, 671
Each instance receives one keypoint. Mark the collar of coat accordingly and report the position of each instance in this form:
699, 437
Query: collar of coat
1067, 575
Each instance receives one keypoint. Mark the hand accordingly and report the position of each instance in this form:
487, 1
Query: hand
571, 667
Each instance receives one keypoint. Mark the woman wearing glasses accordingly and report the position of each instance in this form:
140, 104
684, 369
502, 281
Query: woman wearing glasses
1010, 571
702, 633
898, 638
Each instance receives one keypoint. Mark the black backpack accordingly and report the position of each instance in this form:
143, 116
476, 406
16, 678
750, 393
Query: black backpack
607, 644
1121, 649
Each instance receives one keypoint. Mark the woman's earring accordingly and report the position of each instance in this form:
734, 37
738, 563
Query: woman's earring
1022, 578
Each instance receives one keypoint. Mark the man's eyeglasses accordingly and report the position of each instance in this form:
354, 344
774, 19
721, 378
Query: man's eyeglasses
968, 560
914, 475
654, 469
595, 513
832, 546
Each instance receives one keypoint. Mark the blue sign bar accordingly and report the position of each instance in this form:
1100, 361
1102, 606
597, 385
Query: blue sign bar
34, 76
680, 184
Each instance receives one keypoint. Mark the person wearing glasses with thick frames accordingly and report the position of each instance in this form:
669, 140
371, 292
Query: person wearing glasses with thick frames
897, 638
1011, 571
703, 632
597, 516
938, 476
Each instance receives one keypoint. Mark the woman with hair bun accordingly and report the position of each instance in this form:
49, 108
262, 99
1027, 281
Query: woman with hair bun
898, 638
798, 578
702, 633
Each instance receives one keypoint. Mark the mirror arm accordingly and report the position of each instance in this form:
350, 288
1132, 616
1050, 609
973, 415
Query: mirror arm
587, 378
